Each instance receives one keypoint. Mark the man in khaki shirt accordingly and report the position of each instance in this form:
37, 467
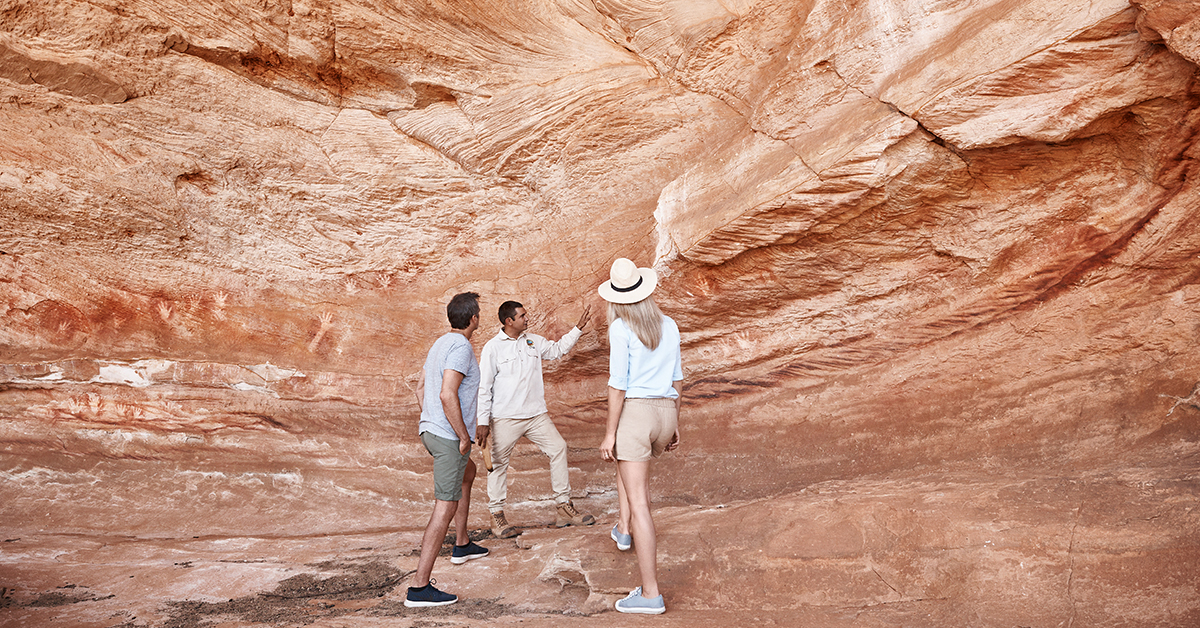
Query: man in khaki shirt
512, 404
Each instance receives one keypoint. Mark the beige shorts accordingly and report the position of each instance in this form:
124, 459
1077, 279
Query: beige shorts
646, 427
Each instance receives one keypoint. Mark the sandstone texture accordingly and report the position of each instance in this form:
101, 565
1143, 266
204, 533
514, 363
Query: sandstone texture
936, 265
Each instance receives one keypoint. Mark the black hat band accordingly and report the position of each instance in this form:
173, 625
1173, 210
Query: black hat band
630, 288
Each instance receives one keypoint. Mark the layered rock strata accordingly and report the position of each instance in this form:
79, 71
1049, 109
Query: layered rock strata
913, 248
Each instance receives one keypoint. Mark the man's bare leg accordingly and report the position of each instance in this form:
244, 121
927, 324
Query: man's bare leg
464, 507
431, 542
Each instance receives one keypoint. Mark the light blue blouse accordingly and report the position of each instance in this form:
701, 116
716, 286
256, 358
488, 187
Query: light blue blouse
639, 371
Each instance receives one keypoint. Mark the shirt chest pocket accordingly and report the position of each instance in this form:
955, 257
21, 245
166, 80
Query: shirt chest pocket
508, 367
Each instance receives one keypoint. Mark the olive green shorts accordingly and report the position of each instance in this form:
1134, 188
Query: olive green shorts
449, 466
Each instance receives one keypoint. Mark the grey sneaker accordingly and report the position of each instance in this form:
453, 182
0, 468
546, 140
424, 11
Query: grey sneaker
568, 516
635, 603
624, 541
501, 528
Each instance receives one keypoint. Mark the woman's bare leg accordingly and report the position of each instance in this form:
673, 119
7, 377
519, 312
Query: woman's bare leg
635, 476
623, 500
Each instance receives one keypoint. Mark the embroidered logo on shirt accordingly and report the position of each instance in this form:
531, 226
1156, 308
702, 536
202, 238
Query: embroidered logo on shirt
529, 342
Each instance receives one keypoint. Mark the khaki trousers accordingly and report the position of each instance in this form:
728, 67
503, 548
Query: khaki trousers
540, 431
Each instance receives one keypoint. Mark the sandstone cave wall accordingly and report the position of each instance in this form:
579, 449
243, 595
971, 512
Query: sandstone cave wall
897, 235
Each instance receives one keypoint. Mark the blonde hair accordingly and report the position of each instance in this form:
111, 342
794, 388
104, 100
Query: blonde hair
643, 317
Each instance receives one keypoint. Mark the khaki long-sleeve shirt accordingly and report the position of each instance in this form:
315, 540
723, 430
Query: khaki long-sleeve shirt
511, 374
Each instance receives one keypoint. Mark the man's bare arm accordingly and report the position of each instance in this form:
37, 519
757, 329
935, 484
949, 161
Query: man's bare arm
451, 380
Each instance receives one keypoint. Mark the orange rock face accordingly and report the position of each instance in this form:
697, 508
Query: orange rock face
935, 265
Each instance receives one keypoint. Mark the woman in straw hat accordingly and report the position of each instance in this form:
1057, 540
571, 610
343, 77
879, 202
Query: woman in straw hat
644, 393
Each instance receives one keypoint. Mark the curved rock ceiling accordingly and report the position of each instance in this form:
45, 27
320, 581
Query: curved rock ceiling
935, 263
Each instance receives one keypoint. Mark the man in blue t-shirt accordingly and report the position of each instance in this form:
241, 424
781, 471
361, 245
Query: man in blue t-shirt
447, 394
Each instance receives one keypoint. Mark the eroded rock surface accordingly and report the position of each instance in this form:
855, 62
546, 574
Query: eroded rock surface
935, 265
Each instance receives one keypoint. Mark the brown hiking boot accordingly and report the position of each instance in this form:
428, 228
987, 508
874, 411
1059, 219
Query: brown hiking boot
501, 528
568, 516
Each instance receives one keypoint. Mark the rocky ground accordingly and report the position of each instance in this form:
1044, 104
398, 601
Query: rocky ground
978, 550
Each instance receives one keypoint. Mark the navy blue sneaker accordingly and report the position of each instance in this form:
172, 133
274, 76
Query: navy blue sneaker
470, 551
428, 595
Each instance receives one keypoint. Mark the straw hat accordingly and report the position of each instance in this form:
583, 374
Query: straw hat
627, 283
